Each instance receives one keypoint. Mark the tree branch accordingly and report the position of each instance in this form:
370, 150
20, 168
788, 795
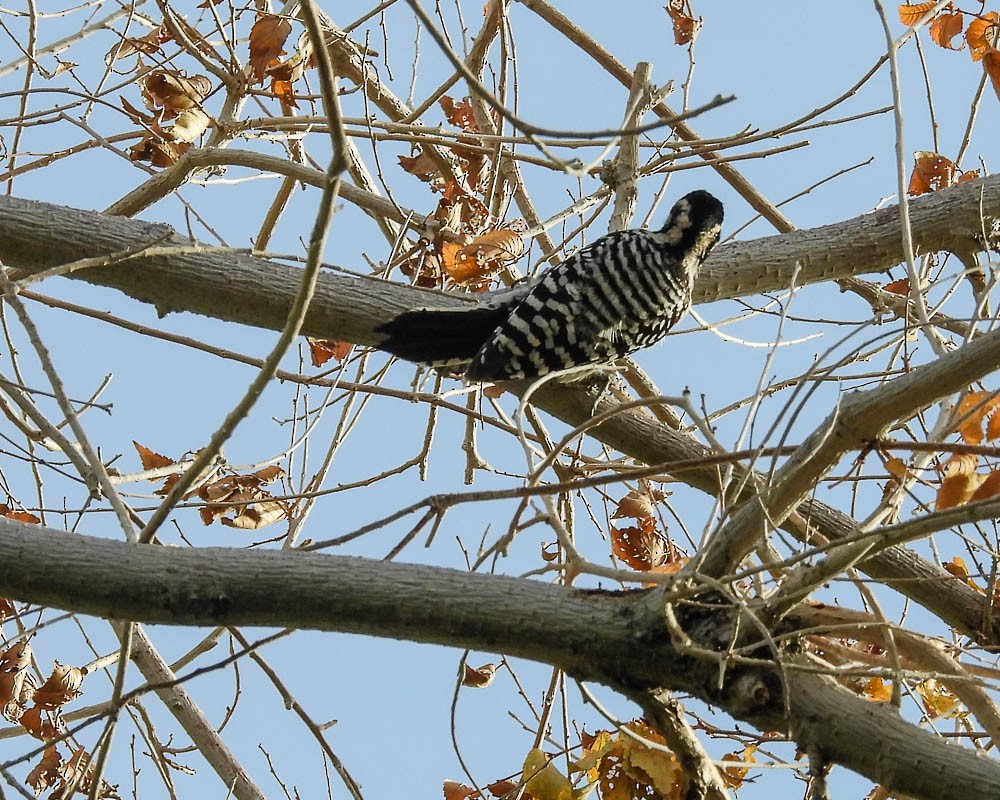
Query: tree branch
618, 639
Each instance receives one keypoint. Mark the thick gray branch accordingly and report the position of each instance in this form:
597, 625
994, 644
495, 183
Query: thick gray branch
616, 639
240, 288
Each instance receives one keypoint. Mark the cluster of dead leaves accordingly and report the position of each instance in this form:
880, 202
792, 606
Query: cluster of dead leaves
470, 246
938, 700
237, 501
624, 765
174, 99
960, 481
982, 34
642, 546
267, 45
43, 721
169, 95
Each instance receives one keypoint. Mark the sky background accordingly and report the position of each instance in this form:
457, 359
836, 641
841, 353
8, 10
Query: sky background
393, 699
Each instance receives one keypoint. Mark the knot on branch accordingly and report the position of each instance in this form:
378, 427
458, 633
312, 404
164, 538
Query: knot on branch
735, 665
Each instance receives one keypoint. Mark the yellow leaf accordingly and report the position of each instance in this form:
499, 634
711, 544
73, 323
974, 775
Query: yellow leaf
543, 780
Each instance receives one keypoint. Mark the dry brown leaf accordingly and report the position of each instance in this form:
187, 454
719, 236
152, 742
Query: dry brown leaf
460, 114
957, 490
62, 686
7, 609
734, 776
988, 488
294, 67
421, 165
627, 769
991, 64
972, 409
453, 790
642, 547
267, 42
685, 25
15, 683
459, 210
911, 14
20, 516
150, 458
322, 350
173, 92
38, 726
902, 286
145, 45
479, 678
483, 256
939, 701
500, 788
158, 151
79, 771
957, 568
671, 566
638, 503
946, 26
46, 773
931, 172
982, 35
550, 551
238, 501
896, 467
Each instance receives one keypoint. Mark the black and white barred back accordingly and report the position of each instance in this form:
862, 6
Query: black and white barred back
616, 296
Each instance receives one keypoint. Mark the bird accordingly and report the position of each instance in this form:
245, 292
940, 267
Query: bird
618, 295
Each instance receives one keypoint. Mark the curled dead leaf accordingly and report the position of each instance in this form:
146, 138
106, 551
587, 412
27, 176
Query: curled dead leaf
957, 490
453, 790
939, 701
957, 568
322, 350
983, 35
734, 776
902, 286
459, 114
62, 686
20, 516
973, 409
931, 172
686, 27
946, 26
479, 678
46, 773
641, 547
877, 690
543, 779
267, 42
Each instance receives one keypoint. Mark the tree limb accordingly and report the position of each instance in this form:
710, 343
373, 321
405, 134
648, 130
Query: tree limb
618, 639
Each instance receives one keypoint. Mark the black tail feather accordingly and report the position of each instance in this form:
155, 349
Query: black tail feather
438, 337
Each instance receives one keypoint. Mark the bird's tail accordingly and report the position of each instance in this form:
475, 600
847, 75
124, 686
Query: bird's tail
439, 337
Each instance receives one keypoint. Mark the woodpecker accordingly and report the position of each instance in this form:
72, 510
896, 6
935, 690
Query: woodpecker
611, 298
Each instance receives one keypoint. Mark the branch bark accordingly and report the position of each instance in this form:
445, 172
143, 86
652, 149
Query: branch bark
240, 288
618, 639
